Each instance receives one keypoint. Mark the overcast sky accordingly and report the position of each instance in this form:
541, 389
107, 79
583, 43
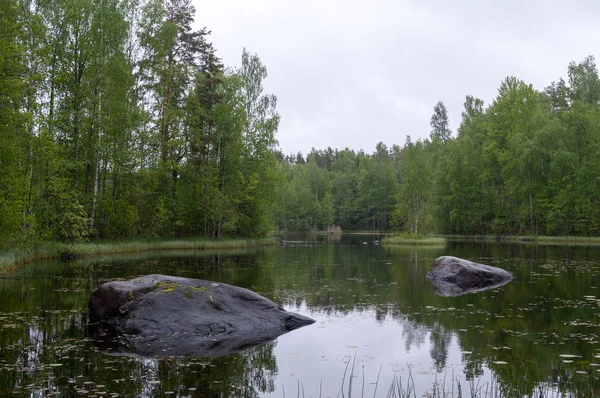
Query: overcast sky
350, 73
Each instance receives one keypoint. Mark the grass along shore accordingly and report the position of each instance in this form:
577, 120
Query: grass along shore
541, 240
405, 239
439, 240
12, 259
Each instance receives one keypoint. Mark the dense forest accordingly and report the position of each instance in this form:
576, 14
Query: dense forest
118, 120
527, 164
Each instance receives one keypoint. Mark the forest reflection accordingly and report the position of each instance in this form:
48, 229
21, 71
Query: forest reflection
518, 331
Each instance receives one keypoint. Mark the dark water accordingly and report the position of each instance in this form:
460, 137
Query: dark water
378, 319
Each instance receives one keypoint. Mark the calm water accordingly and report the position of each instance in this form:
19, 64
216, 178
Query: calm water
378, 318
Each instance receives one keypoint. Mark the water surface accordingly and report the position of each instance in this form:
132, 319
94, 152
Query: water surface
378, 319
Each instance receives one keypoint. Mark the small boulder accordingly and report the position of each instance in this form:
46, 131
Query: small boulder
453, 276
159, 315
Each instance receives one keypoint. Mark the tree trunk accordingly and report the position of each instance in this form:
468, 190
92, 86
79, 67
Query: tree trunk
531, 211
52, 97
95, 196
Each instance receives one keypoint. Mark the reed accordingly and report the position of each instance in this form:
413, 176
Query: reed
447, 387
12, 259
420, 240
527, 239
569, 240
7, 259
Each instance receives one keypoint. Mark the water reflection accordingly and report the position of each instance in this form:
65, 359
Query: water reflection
371, 303
448, 289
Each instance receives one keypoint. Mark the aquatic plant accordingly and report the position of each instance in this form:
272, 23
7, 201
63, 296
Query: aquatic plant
418, 239
12, 259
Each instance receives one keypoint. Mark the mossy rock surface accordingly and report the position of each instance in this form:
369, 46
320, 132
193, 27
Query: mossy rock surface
160, 315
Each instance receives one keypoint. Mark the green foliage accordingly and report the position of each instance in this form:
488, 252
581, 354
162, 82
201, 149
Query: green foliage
116, 218
525, 165
406, 238
307, 200
117, 120
66, 219
440, 129
414, 194
344, 179
376, 188
13, 177
73, 223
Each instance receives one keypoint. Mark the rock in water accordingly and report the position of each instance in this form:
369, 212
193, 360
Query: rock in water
159, 315
453, 276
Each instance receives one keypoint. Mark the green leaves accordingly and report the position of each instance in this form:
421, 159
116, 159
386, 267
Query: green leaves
414, 198
13, 177
527, 164
118, 119
440, 129
523, 166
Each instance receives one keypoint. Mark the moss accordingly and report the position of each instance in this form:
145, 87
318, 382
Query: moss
166, 287
189, 293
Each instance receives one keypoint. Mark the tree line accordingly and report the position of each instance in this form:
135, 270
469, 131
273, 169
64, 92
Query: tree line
117, 119
528, 163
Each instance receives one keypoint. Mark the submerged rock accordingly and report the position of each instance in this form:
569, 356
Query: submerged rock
453, 276
159, 315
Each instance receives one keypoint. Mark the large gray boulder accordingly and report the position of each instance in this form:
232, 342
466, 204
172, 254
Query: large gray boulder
453, 276
159, 315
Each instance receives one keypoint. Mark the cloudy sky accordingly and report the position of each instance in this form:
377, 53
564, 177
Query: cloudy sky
350, 73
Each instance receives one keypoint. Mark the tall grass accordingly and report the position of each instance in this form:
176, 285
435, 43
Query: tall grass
541, 240
449, 386
406, 239
12, 259
569, 240
7, 260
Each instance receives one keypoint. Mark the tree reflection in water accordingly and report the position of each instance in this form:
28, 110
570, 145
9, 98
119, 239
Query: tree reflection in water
514, 334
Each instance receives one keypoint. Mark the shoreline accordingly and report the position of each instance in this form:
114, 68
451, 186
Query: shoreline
11, 260
527, 239
14, 259
414, 241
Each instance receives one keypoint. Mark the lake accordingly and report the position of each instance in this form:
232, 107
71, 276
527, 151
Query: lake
381, 329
